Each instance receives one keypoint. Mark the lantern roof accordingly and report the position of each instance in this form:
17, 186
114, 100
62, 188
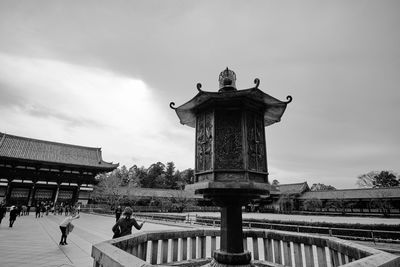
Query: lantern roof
273, 108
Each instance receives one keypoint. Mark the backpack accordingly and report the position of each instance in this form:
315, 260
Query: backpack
117, 232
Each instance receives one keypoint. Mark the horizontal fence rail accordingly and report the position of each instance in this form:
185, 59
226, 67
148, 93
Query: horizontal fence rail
194, 247
346, 233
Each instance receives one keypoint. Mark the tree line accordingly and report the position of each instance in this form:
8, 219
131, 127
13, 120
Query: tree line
157, 175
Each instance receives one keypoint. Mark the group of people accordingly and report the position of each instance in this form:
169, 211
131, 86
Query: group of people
122, 227
43, 207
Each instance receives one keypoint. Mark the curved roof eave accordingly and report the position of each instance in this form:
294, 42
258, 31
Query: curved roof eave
274, 107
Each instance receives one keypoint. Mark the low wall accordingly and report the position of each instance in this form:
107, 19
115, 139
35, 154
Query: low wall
194, 247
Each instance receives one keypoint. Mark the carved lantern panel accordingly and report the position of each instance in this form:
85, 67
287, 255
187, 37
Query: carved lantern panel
228, 140
204, 141
256, 150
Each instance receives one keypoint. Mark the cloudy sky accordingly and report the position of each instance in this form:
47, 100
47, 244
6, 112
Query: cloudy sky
102, 74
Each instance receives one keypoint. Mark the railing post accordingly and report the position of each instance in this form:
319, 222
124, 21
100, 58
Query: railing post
154, 251
372, 236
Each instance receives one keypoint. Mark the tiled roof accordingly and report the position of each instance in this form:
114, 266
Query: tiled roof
297, 188
22, 148
159, 193
362, 193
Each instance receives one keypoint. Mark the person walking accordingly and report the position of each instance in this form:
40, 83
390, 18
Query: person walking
24, 209
13, 215
42, 209
19, 210
37, 211
124, 225
118, 212
3, 211
66, 226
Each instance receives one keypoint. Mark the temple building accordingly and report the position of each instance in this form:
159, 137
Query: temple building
34, 170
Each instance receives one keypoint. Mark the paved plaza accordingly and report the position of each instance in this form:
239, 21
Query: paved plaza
34, 242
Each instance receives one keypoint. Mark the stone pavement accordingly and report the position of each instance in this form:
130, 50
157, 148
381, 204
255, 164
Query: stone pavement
34, 242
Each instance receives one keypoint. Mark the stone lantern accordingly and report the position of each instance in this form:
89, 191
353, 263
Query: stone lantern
231, 163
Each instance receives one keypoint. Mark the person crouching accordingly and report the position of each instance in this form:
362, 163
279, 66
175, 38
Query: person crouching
66, 226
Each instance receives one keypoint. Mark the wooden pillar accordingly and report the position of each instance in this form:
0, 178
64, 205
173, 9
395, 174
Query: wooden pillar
8, 190
32, 192
29, 195
56, 196
76, 196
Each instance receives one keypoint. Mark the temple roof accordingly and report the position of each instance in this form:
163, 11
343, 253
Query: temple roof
360, 193
290, 189
274, 108
34, 150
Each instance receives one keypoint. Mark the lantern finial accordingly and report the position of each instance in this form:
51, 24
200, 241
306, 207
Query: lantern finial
227, 81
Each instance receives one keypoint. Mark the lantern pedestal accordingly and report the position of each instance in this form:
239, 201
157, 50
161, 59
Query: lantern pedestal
231, 197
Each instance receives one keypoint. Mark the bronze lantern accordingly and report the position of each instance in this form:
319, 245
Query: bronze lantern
231, 160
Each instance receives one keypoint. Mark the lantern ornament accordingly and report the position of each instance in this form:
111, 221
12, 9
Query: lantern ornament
227, 81
230, 156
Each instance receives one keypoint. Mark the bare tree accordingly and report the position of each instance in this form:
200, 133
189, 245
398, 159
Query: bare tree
378, 179
108, 188
366, 180
180, 201
322, 187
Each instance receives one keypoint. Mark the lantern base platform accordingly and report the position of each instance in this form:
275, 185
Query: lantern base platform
225, 259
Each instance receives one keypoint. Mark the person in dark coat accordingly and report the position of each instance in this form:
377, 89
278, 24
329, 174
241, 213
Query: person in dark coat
13, 215
37, 211
118, 212
124, 225
3, 211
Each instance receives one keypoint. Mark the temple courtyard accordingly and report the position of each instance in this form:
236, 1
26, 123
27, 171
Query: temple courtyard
35, 242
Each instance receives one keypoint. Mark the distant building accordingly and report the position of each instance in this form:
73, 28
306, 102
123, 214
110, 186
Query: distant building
292, 197
34, 170
287, 191
362, 200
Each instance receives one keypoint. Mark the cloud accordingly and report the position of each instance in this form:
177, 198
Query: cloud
71, 121
59, 101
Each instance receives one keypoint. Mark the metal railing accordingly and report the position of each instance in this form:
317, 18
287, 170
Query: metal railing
346, 233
